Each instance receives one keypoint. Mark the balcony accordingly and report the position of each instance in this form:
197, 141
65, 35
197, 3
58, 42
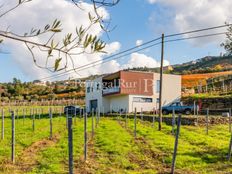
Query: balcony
113, 90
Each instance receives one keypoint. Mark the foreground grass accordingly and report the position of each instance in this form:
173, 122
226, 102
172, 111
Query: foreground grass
114, 148
117, 152
197, 152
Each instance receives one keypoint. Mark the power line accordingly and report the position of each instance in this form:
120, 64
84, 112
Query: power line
146, 43
198, 30
196, 37
167, 41
90, 65
108, 57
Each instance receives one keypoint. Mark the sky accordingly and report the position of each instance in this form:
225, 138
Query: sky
132, 23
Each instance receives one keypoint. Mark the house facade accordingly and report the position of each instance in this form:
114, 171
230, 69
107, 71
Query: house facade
127, 90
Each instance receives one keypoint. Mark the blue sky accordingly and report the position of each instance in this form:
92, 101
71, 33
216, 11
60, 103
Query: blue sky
136, 20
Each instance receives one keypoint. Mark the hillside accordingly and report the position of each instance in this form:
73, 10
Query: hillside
203, 65
192, 80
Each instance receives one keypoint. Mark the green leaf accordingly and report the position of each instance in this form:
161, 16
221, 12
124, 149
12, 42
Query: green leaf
56, 30
57, 63
38, 32
47, 27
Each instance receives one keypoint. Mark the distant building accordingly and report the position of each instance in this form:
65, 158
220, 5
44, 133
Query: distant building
39, 83
127, 90
168, 68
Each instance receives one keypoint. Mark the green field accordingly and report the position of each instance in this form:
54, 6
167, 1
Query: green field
113, 148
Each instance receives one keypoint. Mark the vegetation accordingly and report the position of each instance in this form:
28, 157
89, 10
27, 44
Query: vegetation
17, 90
114, 149
192, 80
62, 51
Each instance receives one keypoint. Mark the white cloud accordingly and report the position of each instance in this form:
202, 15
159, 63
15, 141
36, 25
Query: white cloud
187, 15
151, 1
142, 60
112, 47
139, 42
39, 13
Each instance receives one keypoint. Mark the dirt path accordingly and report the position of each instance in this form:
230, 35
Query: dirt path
90, 166
27, 159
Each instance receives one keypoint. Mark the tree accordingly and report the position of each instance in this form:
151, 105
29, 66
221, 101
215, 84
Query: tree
80, 42
228, 42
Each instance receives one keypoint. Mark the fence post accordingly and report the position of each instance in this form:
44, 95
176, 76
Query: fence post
75, 115
70, 143
96, 117
176, 145
39, 113
194, 108
230, 149
67, 115
33, 121
60, 111
23, 116
153, 118
141, 114
126, 118
3, 124
207, 121
92, 123
197, 114
173, 120
135, 122
13, 137
50, 114
99, 115
85, 136
120, 114
17, 111
230, 120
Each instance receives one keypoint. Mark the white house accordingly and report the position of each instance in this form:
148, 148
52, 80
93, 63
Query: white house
127, 90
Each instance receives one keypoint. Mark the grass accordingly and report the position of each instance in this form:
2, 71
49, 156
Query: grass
114, 148
197, 151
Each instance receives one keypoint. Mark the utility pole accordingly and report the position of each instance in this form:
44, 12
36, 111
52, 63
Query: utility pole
161, 83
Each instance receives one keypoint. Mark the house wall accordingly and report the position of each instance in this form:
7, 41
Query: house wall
171, 88
94, 94
140, 106
116, 102
136, 83
124, 100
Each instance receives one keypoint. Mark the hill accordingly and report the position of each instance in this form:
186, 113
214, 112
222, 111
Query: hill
204, 65
207, 64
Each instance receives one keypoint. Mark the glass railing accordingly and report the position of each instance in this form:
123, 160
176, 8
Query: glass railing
111, 90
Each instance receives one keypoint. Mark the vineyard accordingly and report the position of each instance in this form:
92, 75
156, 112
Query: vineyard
111, 146
192, 80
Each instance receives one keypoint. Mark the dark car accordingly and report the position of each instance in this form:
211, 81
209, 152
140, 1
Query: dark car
178, 107
72, 109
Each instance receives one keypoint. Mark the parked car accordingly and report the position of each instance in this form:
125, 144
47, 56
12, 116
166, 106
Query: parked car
178, 107
72, 109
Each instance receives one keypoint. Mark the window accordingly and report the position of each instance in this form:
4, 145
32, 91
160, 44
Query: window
142, 100
157, 86
88, 89
157, 100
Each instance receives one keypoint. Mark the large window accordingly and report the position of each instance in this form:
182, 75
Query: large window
157, 86
142, 100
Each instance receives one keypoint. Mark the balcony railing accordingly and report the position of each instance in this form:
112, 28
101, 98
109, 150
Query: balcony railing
111, 90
